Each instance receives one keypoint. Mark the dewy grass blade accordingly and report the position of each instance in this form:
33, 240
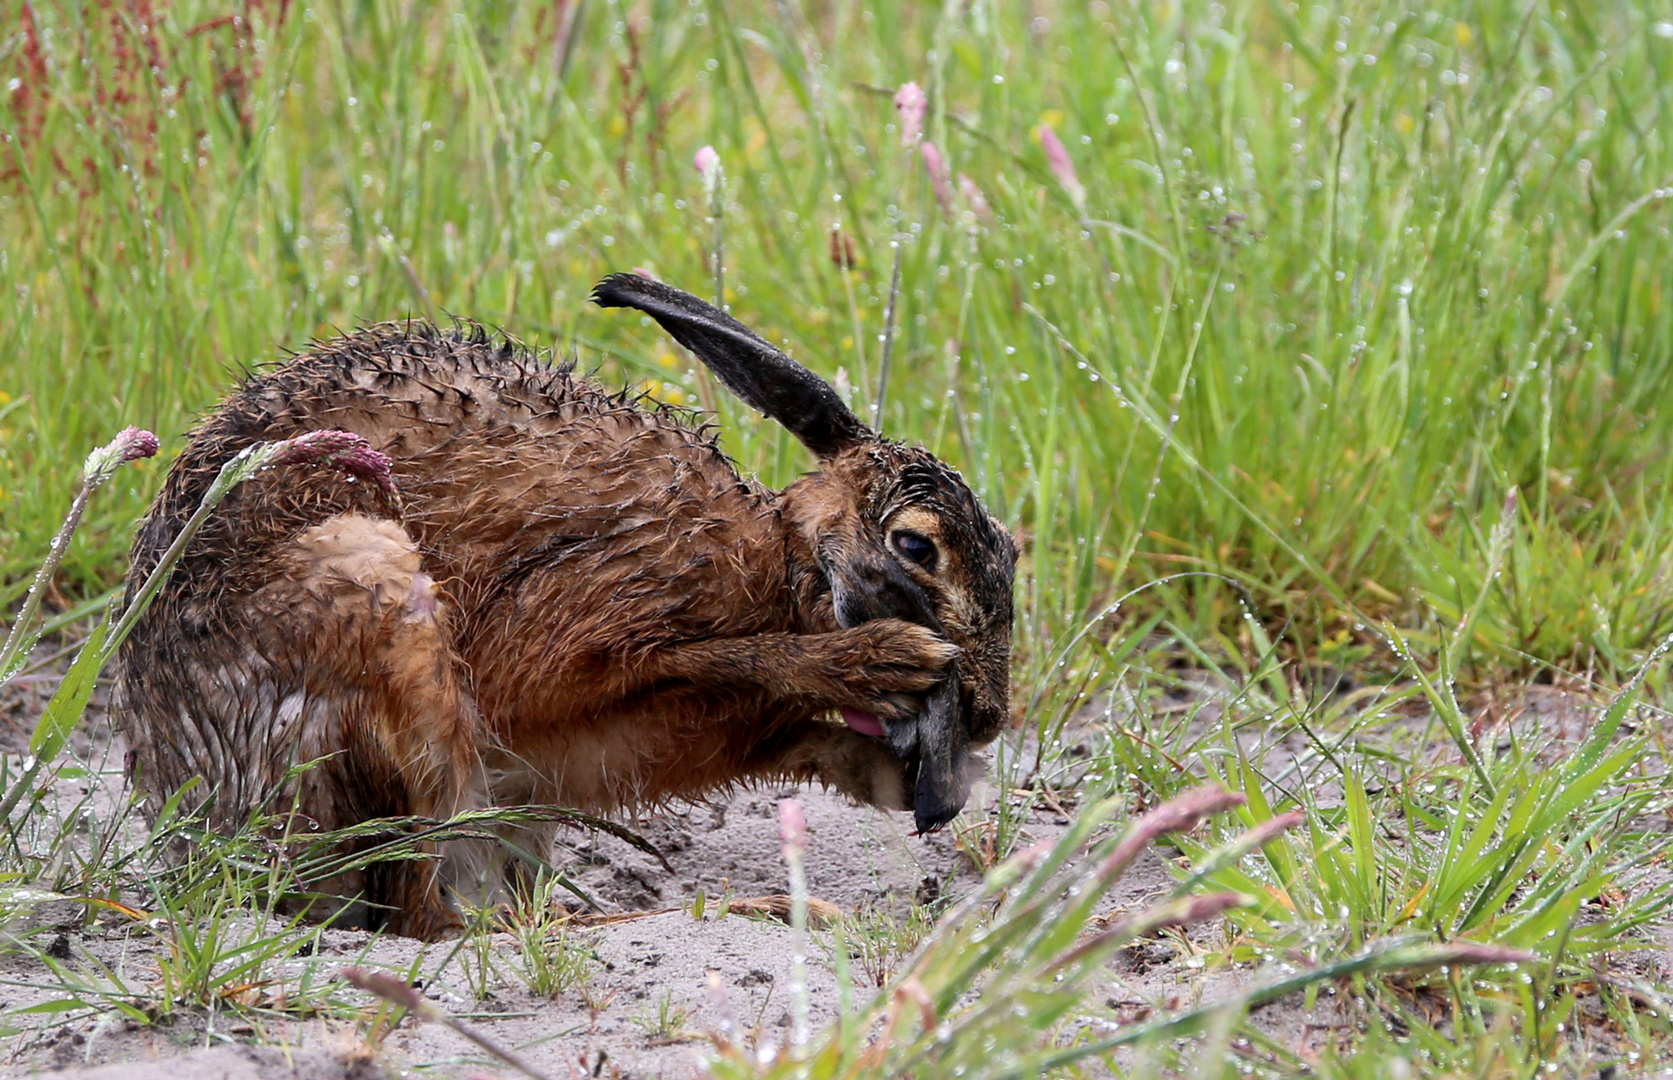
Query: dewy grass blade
64, 710
1398, 957
131, 445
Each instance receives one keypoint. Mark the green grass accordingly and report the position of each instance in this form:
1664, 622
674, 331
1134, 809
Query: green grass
1347, 348
1384, 265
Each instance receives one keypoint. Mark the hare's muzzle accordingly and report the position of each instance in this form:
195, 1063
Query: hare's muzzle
935, 744
941, 757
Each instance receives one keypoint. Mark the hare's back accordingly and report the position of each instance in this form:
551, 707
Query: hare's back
492, 446
412, 389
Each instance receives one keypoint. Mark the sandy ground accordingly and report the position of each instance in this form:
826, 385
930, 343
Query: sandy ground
658, 983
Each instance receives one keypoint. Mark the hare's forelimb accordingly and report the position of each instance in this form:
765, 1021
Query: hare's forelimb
887, 667
882, 667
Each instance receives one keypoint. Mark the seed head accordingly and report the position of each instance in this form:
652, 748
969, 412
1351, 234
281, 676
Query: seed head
1057, 156
341, 450
707, 163
939, 178
910, 103
129, 445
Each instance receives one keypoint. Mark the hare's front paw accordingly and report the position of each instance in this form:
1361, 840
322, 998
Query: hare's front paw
889, 662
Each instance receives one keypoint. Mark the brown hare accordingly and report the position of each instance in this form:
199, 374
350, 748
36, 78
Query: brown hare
576, 601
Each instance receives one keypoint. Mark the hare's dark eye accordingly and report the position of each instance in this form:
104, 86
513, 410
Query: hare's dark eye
920, 549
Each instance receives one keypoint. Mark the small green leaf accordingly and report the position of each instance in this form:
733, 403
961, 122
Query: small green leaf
23, 895
65, 709
58, 1005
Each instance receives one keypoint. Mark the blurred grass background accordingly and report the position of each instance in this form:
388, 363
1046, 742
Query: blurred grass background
1338, 278
1335, 333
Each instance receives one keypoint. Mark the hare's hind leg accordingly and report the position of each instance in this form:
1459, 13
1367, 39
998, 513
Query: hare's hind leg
372, 685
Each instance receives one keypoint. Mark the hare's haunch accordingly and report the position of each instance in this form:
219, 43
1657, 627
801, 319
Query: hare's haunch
577, 601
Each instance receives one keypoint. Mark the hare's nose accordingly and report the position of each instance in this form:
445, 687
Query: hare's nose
932, 809
942, 785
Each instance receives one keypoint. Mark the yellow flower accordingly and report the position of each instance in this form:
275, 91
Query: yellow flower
1462, 34
1405, 124
657, 390
1052, 118
5, 398
668, 359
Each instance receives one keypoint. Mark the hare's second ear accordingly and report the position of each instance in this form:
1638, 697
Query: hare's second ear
762, 376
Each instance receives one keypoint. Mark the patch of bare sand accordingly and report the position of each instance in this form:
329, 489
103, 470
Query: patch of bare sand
652, 995
651, 999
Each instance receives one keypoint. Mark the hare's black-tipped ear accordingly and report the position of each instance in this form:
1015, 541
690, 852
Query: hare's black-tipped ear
762, 376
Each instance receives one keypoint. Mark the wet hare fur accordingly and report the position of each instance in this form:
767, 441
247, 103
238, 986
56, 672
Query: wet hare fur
577, 601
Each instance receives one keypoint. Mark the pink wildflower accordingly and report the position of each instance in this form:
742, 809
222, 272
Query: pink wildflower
706, 161
133, 443
130, 444
792, 827
939, 178
973, 197
341, 450
708, 166
1057, 156
910, 103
